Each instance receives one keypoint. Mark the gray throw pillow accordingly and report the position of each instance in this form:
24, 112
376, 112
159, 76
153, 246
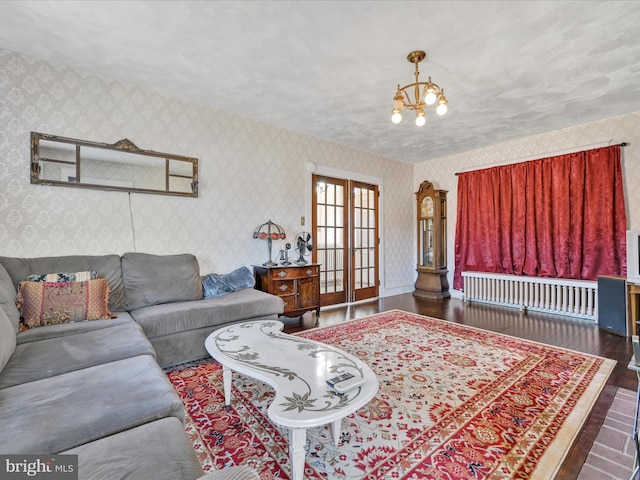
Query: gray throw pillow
155, 279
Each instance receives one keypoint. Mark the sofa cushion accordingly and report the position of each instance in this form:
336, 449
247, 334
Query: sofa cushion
7, 339
156, 450
55, 356
170, 318
157, 279
8, 296
51, 303
106, 266
64, 329
62, 412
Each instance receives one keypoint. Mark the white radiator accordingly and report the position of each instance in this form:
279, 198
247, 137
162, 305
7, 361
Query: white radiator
577, 298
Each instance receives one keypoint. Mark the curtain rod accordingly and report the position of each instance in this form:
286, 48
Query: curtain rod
543, 155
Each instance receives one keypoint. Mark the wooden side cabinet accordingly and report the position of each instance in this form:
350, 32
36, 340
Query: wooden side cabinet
297, 285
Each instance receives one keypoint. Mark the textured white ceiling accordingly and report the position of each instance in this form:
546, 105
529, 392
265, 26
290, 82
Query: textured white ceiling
330, 68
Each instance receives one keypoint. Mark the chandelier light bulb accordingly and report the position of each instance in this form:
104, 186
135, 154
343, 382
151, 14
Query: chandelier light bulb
420, 119
442, 105
430, 98
396, 117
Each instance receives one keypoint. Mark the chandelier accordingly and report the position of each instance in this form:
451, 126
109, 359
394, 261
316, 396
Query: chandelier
424, 93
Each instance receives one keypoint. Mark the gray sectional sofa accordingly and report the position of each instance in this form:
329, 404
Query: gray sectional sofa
96, 388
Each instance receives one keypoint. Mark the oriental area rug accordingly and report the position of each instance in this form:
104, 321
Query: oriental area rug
455, 402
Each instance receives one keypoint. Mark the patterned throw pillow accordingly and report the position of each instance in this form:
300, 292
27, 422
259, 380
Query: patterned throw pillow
50, 303
63, 277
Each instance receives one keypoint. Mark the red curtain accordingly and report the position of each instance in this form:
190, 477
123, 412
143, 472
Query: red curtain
561, 217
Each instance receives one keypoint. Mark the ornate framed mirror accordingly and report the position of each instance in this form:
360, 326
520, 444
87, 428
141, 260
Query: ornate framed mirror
121, 166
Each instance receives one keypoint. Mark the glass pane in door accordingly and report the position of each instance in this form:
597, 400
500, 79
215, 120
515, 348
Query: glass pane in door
329, 223
365, 240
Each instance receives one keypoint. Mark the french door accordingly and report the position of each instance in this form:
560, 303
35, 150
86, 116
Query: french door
345, 226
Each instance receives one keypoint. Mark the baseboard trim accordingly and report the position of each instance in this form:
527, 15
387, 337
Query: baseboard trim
390, 292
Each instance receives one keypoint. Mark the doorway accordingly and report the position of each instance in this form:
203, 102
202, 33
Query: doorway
345, 225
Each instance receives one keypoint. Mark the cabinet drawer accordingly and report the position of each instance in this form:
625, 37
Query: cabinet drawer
289, 302
283, 287
311, 271
299, 272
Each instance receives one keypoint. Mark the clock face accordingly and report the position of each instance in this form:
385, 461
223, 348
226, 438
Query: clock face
426, 207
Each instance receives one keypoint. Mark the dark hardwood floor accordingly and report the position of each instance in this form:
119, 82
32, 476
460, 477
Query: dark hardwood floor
580, 335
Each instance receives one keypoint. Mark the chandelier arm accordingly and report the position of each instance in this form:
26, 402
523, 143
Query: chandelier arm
408, 105
437, 88
413, 105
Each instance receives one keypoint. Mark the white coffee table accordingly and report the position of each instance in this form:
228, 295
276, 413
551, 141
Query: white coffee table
298, 370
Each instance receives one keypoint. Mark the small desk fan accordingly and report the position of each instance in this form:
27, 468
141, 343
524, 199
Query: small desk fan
304, 244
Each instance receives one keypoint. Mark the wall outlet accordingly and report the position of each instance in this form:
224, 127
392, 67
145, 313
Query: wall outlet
302, 221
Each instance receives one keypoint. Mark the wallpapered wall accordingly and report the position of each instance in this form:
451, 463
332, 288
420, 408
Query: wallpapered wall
618, 129
249, 172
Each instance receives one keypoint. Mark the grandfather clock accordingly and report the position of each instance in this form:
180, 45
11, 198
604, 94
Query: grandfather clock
432, 242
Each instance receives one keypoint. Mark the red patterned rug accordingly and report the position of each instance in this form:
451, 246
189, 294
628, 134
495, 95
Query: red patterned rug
455, 402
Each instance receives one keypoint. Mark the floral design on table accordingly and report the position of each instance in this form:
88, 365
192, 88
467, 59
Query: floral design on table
302, 398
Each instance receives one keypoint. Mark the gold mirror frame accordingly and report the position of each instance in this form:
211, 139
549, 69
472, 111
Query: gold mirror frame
120, 166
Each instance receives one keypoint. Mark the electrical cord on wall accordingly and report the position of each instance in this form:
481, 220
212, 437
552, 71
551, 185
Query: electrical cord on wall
133, 227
